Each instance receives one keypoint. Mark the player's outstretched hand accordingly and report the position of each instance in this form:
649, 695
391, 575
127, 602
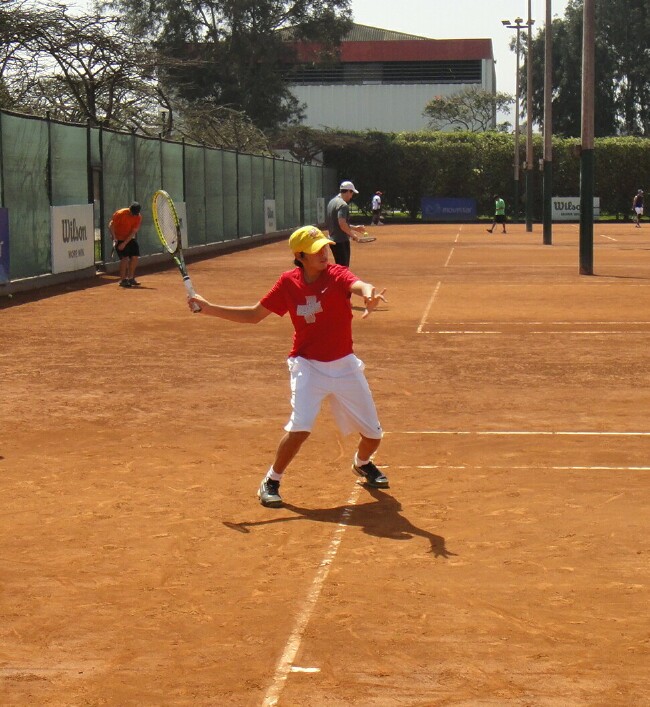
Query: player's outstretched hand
198, 300
372, 302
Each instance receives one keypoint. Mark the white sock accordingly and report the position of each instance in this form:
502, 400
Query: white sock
271, 474
359, 462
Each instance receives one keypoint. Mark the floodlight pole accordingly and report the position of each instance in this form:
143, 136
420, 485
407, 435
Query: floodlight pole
587, 144
529, 124
516, 25
548, 127
517, 90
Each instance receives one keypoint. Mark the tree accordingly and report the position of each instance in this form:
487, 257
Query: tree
80, 67
77, 68
233, 52
216, 126
472, 109
622, 86
306, 144
18, 25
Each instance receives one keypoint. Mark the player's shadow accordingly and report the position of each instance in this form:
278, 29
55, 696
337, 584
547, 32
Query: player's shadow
381, 518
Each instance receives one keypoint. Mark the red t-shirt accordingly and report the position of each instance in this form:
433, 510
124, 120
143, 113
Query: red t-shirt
321, 311
124, 222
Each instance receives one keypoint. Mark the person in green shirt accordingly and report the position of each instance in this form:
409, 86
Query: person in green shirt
499, 214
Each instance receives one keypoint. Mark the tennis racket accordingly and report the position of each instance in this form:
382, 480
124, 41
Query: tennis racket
366, 238
168, 229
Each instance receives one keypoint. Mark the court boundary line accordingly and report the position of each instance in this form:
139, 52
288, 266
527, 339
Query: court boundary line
517, 467
519, 328
532, 433
451, 252
553, 322
428, 308
576, 332
285, 664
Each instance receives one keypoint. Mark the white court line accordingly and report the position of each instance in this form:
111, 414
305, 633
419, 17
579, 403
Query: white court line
285, 664
539, 323
522, 468
519, 328
426, 311
598, 332
460, 332
570, 433
451, 252
602, 235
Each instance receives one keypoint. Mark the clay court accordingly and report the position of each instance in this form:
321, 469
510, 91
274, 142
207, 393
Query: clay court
508, 563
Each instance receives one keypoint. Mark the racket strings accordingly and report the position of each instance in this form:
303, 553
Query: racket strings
167, 223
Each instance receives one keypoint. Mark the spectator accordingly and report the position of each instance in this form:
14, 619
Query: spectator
376, 209
124, 226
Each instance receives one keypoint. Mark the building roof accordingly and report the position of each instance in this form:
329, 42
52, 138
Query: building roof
372, 44
364, 33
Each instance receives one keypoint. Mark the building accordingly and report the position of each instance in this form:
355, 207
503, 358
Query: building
384, 79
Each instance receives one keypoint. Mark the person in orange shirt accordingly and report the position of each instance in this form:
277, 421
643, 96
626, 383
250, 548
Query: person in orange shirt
124, 226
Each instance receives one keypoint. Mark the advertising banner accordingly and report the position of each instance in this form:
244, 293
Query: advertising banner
269, 216
73, 237
447, 209
567, 208
4, 245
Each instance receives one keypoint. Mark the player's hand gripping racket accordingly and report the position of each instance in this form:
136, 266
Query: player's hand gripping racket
168, 229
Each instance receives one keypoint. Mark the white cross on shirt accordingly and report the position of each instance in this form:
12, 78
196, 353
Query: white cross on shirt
309, 310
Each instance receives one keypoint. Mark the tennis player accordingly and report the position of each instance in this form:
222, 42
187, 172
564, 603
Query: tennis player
637, 207
317, 296
337, 216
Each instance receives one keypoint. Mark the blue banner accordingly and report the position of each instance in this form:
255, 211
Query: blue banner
447, 209
4, 245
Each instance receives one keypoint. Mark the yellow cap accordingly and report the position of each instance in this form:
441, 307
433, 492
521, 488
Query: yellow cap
308, 239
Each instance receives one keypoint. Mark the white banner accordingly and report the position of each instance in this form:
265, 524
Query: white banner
269, 216
181, 211
73, 237
567, 208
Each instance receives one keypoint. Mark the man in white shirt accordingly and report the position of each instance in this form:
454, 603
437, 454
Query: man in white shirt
376, 209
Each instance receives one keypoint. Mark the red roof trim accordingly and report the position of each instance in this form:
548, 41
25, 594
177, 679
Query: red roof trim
406, 50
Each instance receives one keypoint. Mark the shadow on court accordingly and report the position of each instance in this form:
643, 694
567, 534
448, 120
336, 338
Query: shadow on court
381, 518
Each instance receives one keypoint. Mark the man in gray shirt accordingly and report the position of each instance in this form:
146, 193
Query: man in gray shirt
338, 223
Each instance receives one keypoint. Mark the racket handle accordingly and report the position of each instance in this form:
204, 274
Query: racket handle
190, 291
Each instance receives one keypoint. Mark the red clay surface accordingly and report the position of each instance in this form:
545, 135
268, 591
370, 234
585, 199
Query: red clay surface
508, 563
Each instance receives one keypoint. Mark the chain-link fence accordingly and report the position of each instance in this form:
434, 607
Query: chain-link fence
45, 164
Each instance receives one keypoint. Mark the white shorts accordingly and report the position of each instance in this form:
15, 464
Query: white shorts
344, 383
639, 210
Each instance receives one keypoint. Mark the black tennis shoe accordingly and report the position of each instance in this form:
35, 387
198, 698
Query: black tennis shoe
269, 493
134, 282
372, 475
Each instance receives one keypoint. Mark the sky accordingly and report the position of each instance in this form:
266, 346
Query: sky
459, 19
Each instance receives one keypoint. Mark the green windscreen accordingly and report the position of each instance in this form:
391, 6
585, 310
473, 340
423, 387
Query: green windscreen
147, 182
46, 163
230, 196
24, 166
214, 196
244, 189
